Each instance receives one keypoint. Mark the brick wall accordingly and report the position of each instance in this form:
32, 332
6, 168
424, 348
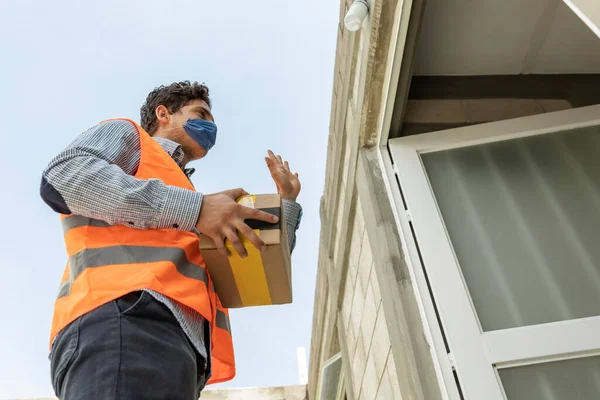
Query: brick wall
363, 320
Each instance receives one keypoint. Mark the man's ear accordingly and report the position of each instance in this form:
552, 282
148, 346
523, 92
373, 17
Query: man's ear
162, 115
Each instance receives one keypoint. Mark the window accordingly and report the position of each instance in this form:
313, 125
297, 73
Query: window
331, 380
507, 218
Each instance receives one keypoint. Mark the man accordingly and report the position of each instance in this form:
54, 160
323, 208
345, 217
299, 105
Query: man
137, 316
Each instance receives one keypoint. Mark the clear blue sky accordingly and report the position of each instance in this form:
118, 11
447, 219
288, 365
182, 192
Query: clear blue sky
66, 65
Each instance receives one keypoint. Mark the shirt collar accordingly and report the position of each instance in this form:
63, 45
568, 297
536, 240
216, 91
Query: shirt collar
176, 152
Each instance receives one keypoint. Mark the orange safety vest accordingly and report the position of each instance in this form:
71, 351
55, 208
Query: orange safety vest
108, 261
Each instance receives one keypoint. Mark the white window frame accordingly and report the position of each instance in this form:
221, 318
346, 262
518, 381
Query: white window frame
588, 12
475, 353
341, 386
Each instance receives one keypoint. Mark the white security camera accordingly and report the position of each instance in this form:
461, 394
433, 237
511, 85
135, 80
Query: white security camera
356, 15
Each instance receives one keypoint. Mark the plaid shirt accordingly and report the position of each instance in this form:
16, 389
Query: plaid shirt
93, 177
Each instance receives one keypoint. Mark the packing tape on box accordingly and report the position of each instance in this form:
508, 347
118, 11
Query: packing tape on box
250, 202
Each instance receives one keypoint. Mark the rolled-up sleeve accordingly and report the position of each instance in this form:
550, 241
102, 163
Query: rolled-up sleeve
293, 214
93, 177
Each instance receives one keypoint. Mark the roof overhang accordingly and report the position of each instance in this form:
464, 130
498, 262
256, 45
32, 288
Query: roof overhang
462, 38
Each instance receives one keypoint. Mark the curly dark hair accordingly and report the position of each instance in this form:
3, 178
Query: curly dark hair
174, 96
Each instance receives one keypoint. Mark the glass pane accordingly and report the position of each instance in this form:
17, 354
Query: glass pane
523, 216
577, 379
330, 380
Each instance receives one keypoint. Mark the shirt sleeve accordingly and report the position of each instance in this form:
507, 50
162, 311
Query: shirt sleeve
92, 177
292, 215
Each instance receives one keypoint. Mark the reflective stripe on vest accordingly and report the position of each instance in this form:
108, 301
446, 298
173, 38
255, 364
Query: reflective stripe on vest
223, 321
115, 255
77, 221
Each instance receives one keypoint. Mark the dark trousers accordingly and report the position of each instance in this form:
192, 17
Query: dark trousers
130, 348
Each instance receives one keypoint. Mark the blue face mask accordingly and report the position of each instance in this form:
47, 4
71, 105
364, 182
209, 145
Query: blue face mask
203, 132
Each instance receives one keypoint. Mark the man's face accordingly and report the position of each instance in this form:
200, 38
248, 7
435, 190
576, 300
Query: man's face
194, 109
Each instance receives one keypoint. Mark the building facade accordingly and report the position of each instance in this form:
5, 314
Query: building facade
461, 211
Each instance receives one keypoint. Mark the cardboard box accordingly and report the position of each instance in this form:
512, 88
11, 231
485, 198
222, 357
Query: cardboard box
261, 278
